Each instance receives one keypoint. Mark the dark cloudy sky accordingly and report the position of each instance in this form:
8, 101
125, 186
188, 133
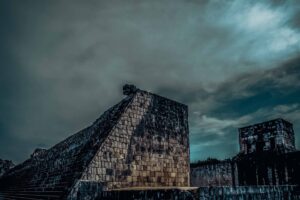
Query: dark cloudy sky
63, 63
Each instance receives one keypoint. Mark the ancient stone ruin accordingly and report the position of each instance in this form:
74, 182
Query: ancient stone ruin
212, 172
143, 141
267, 157
139, 149
271, 136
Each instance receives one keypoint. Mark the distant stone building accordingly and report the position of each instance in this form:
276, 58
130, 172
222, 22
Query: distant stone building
143, 141
275, 135
267, 157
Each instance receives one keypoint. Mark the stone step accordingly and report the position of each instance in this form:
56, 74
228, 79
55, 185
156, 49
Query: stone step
35, 186
13, 197
6, 198
30, 196
34, 192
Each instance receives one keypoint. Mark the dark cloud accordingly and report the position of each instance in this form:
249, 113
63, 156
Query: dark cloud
64, 63
243, 100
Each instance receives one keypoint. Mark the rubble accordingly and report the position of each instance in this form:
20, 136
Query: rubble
5, 165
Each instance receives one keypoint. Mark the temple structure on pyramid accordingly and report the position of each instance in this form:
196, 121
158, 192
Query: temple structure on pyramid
143, 141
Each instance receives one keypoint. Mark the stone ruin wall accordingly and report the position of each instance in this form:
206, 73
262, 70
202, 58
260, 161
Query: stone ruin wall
267, 157
244, 170
94, 191
148, 147
217, 174
275, 135
269, 169
250, 192
52, 173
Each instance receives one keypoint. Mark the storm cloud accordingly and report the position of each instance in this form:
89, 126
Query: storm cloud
63, 63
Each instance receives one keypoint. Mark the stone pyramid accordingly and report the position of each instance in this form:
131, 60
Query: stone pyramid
140, 142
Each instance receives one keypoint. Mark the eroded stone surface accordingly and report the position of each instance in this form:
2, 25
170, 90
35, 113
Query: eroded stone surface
92, 190
141, 141
218, 173
271, 136
267, 157
148, 147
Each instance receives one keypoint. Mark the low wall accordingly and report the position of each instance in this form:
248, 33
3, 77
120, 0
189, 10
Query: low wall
85, 190
212, 174
284, 192
93, 190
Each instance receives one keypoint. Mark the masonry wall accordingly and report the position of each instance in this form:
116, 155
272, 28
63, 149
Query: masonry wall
250, 192
213, 174
250, 169
51, 174
275, 135
148, 147
269, 169
93, 190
